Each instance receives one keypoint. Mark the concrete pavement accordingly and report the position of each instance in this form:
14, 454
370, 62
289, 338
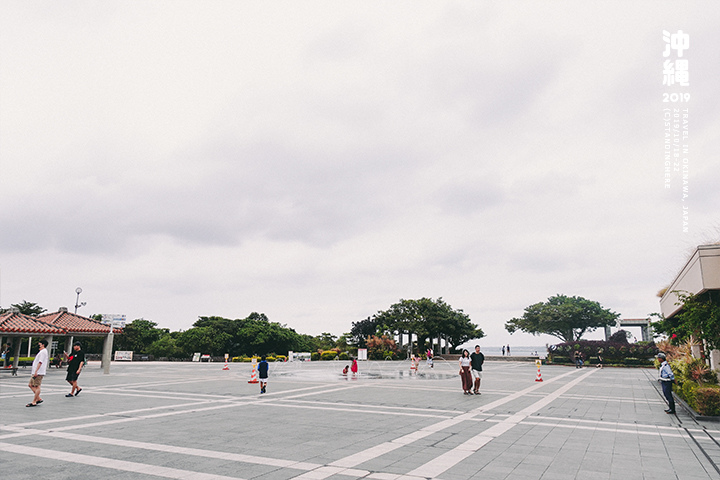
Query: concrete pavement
196, 421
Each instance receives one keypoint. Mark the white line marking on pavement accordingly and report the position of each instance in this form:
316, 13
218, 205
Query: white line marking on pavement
123, 465
452, 457
385, 447
237, 457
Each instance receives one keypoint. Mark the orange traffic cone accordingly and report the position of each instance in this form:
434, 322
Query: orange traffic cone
254, 374
539, 376
226, 365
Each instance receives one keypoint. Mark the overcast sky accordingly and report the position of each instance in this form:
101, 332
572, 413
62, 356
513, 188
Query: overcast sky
319, 161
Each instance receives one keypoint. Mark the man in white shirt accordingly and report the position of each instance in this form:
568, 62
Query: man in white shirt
39, 367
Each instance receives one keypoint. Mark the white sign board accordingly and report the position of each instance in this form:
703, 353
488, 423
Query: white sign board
124, 355
196, 357
362, 353
116, 320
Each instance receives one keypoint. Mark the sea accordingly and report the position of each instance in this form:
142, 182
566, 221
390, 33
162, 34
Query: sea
515, 350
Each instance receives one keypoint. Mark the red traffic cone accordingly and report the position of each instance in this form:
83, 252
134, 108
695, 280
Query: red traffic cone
254, 374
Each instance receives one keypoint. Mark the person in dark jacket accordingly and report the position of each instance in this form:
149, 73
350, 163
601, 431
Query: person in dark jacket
476, 362
263, 374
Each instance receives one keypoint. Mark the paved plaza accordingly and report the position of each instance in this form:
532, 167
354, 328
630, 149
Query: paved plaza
196, 421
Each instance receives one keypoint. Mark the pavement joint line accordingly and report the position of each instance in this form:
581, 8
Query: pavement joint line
234, 403
123, 465
606, 429
236, 457
454, 456
365, 405
355, 410
623, 424
173, 413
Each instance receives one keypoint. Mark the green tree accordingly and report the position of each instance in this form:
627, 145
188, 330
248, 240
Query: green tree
255, 334
699, 317
29, 308
427, 318
566, 318
138, 335
361, 330
166, 346
202, 339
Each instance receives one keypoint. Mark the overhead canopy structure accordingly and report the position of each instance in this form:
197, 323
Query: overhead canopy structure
700, 274
16, 325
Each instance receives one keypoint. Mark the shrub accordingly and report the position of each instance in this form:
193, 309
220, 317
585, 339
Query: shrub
344, 356
314, 356
281, 358
687, 393
328, 355
270, 358
707, 400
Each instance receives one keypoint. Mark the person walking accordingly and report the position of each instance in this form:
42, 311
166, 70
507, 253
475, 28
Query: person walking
503, 350
465, 374
429, 356
667, 378
39, 368
263, 374
507, 349
476, 362
354, 366
75, 366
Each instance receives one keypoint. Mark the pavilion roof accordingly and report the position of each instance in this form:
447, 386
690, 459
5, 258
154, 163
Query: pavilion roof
18, 323
77, 324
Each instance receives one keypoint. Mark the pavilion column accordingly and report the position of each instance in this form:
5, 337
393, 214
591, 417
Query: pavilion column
16, 360
107, 352
49, 339
400, 339
68, 344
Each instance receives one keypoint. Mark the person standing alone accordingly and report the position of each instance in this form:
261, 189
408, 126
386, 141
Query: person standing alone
263, 374
476, 362
667, 377
39, 368
75, 366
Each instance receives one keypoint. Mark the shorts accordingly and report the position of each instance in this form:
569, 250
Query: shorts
72, 376
477, 374
35, 381
263, 379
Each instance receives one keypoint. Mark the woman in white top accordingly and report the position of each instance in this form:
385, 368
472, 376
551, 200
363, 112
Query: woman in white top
465, 374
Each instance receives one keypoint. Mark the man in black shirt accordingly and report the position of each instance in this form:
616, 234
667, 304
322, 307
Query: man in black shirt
75, 366
476, 362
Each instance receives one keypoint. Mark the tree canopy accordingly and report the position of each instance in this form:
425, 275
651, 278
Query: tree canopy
27, 308
425, 317
699, 317
566, 318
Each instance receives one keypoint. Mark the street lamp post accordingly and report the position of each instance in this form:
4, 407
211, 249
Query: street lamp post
78, 290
